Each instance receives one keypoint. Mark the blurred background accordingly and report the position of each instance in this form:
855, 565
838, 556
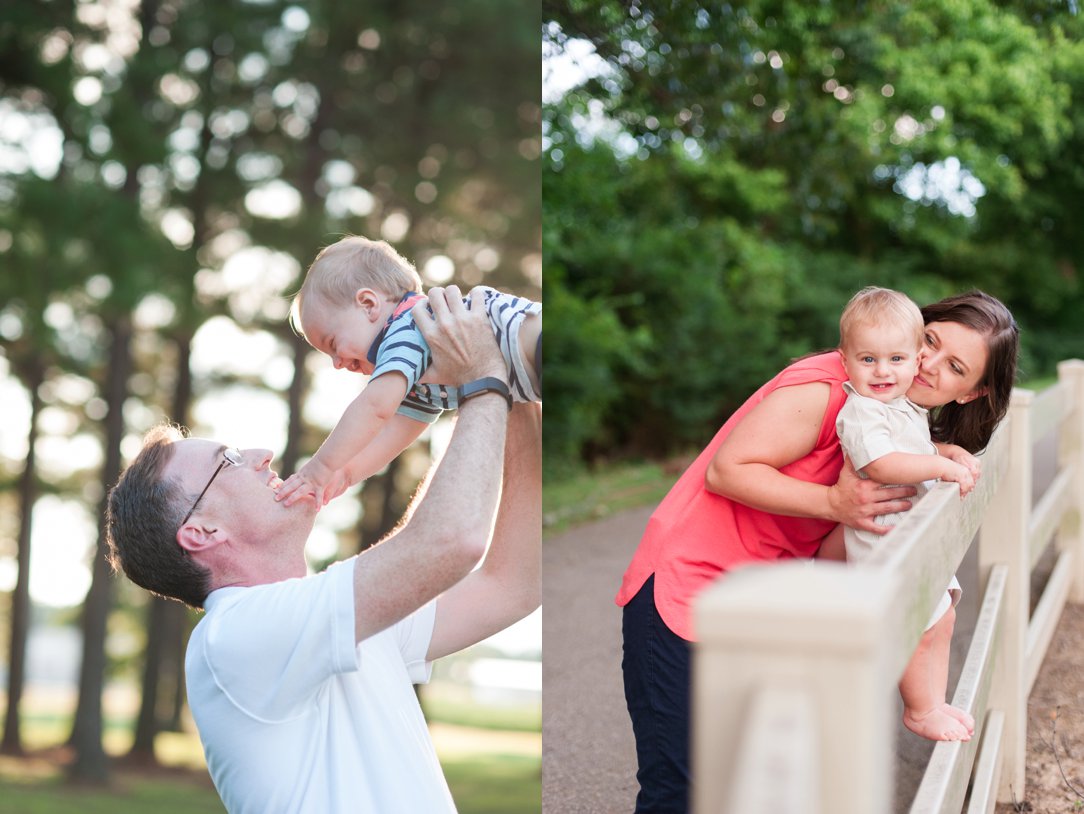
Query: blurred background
168, 169
720, 178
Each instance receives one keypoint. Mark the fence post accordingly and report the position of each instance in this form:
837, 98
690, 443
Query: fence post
817, 630
1004, 539
1071, 455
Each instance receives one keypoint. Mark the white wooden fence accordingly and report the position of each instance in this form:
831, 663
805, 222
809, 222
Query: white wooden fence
795, 674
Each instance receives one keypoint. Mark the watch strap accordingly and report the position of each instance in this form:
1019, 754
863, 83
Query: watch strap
488, 384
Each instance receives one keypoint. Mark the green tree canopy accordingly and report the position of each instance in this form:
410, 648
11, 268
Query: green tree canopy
729, 175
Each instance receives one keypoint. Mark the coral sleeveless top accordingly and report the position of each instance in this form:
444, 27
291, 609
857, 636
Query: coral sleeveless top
694, 535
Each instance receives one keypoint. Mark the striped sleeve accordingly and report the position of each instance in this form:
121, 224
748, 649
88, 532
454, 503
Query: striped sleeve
404, 350
506, 313
418, 409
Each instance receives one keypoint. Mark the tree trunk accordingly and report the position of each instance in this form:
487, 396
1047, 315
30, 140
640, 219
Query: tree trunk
173, 667
293, 397
91, 763
381, 508
309, 179
163, 626
142, 750
12, 743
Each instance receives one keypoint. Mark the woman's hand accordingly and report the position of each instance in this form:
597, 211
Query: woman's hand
857, 501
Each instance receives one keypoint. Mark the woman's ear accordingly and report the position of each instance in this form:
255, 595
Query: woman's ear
368, 301
974, 394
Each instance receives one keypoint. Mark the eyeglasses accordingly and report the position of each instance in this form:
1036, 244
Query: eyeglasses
231, 457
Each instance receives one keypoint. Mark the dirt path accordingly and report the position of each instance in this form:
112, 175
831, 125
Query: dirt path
589, 757
1058, 694
588, 754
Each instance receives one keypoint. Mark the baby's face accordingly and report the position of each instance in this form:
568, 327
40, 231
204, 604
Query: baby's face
881, 362
341, 332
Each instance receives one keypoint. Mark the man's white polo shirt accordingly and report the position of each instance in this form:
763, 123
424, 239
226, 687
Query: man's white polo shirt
296, 717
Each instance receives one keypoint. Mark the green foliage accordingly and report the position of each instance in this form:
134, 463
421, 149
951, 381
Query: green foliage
735, 173
586, 350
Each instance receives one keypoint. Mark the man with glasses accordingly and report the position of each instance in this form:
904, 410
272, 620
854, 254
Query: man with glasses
301, 686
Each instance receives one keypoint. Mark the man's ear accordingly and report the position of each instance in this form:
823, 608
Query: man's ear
368, 301
194, 538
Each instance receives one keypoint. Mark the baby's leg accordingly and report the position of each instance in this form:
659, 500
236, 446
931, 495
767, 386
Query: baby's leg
530, 332
940, 676
923, 687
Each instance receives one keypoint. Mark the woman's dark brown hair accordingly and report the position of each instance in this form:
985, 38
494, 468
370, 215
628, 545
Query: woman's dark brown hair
971, 425
145, 512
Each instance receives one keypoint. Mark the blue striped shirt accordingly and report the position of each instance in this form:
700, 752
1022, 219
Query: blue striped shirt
401, 347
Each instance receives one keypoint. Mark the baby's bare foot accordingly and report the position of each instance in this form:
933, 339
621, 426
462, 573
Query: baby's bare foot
936, 725
961, 716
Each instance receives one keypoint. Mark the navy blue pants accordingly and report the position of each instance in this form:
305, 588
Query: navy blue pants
656, 666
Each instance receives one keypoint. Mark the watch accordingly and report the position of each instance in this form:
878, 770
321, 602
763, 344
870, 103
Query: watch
489, 384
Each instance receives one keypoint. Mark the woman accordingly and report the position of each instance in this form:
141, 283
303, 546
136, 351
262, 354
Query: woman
772, 485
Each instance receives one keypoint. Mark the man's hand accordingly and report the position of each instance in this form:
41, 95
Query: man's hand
461, 339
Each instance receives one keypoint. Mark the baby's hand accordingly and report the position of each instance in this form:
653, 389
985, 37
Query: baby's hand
310, 480
293, 489
965, 459
336, 485
960, 474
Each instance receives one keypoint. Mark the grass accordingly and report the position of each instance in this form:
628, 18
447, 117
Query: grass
579, 498
501, 784
489, 770
36, 785
450, 703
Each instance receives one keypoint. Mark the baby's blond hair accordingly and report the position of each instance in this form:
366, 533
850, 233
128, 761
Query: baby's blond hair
880, 307
354, 262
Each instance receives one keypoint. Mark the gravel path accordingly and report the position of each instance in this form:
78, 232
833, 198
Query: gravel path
588, 752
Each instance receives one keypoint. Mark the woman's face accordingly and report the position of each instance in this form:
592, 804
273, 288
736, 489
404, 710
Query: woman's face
951, 365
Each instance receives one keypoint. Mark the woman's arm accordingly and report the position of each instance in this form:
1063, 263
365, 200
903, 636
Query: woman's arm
780, 430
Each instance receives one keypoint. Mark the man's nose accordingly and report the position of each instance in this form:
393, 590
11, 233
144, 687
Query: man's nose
338, 362
258, 458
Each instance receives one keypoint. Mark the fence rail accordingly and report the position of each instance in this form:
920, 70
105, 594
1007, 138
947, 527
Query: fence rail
797, 664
